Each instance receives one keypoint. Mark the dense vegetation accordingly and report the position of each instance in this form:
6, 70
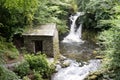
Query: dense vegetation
15, 17
35, 67
103, 16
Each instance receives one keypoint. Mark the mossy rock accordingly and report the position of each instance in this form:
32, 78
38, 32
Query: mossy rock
99, 57
92, 77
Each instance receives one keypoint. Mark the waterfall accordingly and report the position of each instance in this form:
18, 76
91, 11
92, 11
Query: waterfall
75, 33
78, 60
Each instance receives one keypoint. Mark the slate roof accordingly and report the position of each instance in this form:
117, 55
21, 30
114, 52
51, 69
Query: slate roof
42, 30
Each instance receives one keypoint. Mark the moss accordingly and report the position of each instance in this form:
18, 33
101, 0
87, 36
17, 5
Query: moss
90, 35
7, 50
99, 57
94, 76
6, 74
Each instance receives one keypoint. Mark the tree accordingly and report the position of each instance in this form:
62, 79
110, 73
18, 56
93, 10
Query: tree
14, 15
105, 15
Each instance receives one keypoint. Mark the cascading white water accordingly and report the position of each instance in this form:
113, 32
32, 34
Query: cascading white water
74, 35
75, 72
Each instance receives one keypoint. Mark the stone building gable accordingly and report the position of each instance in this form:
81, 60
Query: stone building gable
43, 38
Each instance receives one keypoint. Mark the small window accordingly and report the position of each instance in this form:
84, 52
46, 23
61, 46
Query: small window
38, 46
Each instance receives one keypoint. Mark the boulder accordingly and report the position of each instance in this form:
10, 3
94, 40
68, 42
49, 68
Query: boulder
66, 63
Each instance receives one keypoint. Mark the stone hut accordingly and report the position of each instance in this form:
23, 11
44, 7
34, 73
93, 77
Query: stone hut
43, 39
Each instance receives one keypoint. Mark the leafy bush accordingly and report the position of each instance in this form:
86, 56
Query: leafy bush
110, 39
37, 76
6, 74
95, 11
22, 69
15, 15
111, 43
38, 63
104, 16
56, 12
11, 51
8, 49
25, 78
1, 58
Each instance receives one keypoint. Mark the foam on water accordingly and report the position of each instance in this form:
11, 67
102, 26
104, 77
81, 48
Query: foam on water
74, 72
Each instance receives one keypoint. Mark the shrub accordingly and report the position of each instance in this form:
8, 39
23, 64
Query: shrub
8, 49
12, 52
55, 13
38, 63
37, 76
111, 43
22, 69
6, 74
1, 58
95, 11
25, 78
104, 15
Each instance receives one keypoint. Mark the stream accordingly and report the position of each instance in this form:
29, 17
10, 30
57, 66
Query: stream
78, 56
81, 60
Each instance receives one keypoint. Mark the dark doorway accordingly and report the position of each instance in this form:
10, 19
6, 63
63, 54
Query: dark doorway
38, 46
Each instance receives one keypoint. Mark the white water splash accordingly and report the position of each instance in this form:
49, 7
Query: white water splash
74, 72
74, 35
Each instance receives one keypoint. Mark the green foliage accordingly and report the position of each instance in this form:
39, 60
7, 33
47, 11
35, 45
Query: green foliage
110, 40
52, 12
104, 15
39, 63
1, 58
82, 4
6, 74
14, 15
22, 69
37, 76
8, 49
95, 11
90, 35
25, 78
